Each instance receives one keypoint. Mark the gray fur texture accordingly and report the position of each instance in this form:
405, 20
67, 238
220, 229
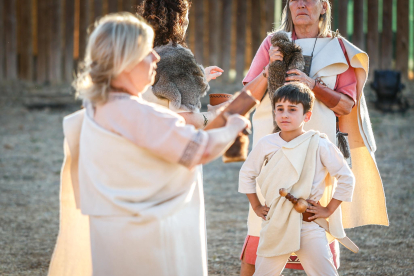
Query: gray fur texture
179, 78
292, 59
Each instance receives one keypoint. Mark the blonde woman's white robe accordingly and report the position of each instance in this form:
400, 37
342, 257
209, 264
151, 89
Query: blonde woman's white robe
146, 214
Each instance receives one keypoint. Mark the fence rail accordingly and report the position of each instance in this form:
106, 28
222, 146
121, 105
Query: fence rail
43, 40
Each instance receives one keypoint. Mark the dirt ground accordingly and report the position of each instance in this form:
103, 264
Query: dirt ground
30, 160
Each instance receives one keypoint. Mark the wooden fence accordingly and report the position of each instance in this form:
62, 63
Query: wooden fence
43, 40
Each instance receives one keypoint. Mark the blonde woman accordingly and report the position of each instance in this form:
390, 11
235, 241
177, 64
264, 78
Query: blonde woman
131, 166
337, 72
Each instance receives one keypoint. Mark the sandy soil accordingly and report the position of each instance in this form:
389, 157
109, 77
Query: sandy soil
30, 160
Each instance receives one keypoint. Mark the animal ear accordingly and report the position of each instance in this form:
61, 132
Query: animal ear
166, 89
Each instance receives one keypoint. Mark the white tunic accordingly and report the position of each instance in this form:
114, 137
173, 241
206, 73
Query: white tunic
328, 160
145, 207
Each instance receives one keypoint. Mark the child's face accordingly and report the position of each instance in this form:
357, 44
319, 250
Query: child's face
289, 116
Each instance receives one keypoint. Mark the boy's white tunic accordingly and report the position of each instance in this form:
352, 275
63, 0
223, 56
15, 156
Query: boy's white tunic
146, 214
301, 166
328, 62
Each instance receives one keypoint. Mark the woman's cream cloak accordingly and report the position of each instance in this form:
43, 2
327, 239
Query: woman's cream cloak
140, 214
368, 204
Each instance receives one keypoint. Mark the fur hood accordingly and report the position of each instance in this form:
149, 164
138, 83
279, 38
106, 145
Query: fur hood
179, 78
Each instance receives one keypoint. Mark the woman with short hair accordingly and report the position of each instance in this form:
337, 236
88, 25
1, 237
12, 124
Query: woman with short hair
336, 73
130, 166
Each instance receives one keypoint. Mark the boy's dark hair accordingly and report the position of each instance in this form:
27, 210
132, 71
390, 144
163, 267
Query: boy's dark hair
295, 92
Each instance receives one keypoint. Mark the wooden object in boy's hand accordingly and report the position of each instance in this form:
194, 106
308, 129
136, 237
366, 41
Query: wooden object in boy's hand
300, 205
241, 105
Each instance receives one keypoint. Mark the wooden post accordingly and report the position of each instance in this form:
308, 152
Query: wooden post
127, 5
83, 27
386, 45
343, 17
112, 6
10, 28
25, 40
199, 30
256, 25
42, 41
2, 50
270, 15
241, 39
214, 31
401, 60
373, 36
69, 39
358, 36
97, 8
137, 4
226, 38
55, 45
190, 37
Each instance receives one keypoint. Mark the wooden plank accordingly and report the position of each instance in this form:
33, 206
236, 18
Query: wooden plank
402, 57
25, 40
270, 15
386, 45
373, 36
137, 4
42, 41
10, 28
343, 18
241, 39
97, 8
226, 38
69, 39
358, 35
112, 6
199, 30
256, 25
214, 31
2, 44
55, 45
127, 5
190, 37
83, 27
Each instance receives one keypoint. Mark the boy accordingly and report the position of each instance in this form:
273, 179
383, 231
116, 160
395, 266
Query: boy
303, 163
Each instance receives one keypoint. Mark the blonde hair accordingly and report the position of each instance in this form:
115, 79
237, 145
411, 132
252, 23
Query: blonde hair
286, 23
118, 41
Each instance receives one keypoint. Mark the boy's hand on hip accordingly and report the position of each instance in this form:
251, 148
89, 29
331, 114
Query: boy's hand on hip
318, 210
261, 211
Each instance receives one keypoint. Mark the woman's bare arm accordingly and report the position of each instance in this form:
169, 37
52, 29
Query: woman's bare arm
258, 85
201, 119
344, 106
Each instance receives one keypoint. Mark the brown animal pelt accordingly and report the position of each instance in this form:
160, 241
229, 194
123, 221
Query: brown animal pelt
292, 59
179, 78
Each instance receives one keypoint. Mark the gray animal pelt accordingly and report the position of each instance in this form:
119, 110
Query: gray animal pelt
292, 59
179, 78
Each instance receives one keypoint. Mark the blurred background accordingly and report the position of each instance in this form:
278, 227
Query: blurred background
42, 41
41, 44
